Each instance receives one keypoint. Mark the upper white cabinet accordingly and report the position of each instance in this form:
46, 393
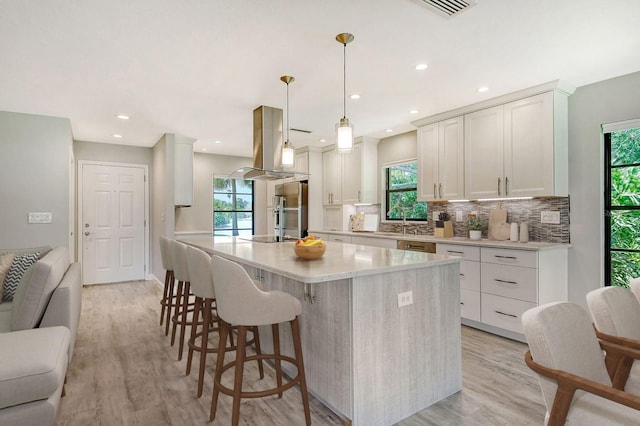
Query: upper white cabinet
352, 177
518, 149
183, 172
441, 160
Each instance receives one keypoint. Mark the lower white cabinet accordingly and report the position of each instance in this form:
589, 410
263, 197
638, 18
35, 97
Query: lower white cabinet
333, 237
498, 285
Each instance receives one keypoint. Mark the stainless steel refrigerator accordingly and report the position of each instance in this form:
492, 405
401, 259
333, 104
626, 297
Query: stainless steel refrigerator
290, 210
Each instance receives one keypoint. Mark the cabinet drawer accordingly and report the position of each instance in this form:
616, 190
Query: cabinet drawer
470, 275
503, 312
338, 238
470, 304
509, 257
510, 281
468, 252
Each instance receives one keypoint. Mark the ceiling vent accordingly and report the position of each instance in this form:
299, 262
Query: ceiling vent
449, 8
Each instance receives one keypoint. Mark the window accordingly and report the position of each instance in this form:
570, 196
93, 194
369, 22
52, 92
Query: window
622, 206
402, 193
232, 207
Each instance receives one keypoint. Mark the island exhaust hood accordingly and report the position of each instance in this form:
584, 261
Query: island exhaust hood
267, 147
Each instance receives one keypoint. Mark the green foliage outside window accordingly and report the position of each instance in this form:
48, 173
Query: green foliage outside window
232, 206
624, 213
402, 193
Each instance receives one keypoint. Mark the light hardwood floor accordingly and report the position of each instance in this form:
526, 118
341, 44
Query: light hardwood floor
125, 373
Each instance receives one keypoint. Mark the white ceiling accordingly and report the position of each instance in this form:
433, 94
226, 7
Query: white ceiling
197, 68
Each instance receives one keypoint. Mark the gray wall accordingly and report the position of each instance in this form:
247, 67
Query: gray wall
35, 168
199, 217
162, 214
589, 107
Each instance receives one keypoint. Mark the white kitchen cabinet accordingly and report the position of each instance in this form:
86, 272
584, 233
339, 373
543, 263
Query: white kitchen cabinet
302, 163
271, 191
183, 172
333, 237
352, 177
518, 149
440, 152
333, 218
469, 277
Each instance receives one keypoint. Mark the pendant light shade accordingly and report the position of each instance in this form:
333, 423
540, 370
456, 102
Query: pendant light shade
288, 150
344, 129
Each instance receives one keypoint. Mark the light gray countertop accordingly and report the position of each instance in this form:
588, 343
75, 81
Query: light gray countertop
339, 261
531, 245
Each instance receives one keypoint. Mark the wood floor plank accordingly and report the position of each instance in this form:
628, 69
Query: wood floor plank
125, 373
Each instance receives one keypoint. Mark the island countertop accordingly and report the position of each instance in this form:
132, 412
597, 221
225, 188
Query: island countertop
339, 261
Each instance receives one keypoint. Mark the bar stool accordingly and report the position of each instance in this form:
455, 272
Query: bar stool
199, 265
167, 265
240, 303
181, 272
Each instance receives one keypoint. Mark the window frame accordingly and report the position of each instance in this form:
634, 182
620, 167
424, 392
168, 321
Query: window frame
387, 192
234, 193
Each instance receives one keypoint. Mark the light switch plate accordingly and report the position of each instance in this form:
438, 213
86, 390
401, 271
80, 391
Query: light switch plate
548, 216
40, 217
436, 215
459, 216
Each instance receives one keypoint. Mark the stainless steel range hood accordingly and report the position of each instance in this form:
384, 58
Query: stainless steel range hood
267, 147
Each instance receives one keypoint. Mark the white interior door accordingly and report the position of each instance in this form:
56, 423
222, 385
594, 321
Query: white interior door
112, 223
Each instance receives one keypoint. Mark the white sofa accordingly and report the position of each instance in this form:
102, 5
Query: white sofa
37, 336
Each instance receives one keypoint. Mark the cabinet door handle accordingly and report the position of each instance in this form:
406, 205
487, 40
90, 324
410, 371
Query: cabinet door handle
499, 181
434, 191
505, 281
505, 314
462, 275
462, 303
456, 252
358, 195
338, 239
440, 191
506, 186
506, 257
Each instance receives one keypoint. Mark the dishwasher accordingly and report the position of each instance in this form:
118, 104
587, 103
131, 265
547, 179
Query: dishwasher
423, 246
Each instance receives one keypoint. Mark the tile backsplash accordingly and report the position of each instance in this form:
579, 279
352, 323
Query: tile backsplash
518, 211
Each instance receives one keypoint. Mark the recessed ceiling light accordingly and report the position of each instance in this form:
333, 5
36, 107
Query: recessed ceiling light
123, 117
389, 130
117, 136
355, 96
217, 142
421, 67
323, 140
413, 111
483, 89
203, 149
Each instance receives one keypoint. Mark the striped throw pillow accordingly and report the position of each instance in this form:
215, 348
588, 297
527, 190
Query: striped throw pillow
18, 267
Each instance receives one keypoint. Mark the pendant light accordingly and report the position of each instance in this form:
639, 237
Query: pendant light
344, 130
287, 148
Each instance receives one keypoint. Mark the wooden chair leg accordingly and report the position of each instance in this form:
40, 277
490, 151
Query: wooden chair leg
194, 330
297, 346
223, 330
174, 318
275, 331
183, 324
239, 367
204, 344
256, 342
165, 298
169, 306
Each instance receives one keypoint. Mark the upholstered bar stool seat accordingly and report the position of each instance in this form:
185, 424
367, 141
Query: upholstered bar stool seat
168, 295
616, 313
183, 306
241, 303
634, 285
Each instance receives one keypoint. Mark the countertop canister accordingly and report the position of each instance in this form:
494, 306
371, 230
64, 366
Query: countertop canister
524, 232
513, 235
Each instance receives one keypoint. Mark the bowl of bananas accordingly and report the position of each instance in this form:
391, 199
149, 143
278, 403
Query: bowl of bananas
310, 247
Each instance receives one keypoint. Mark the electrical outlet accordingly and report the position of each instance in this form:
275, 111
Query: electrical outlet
405, 299
547, 216
436, 215
40, 217
459, 216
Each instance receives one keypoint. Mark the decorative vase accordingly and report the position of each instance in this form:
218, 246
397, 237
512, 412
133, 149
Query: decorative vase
475, 234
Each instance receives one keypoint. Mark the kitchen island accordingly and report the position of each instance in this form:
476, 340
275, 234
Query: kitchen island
366, 358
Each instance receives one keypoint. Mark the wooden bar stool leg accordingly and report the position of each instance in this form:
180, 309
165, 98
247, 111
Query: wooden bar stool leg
169, 305
239, 366
205, 342
275, 331
186, 290
297, 346
223, 329
165, 298
174, 318
194, 330
256, 341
